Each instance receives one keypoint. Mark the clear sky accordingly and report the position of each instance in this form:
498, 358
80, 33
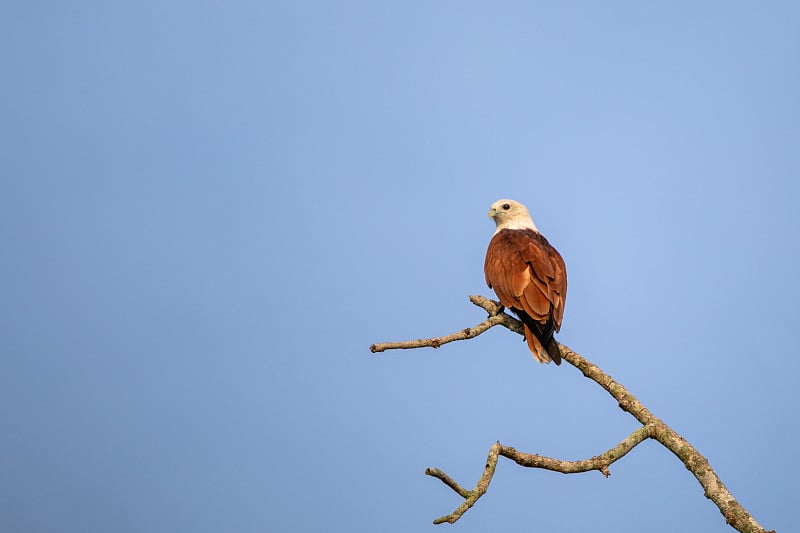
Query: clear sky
210, 210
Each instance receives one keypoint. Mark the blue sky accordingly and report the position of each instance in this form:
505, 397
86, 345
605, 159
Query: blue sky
210, 210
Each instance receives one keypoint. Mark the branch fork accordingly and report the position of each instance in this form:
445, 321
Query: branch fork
652, 428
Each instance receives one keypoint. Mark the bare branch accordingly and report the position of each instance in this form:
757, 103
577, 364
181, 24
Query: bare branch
652, 427
600, 462
713, 488
470, 496
464, 334
447, 480
496, 318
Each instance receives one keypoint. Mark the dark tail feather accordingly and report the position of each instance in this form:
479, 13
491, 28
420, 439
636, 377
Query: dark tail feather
540, 331
553, 350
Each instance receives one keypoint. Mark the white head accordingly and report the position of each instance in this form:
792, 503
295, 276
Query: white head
509, 214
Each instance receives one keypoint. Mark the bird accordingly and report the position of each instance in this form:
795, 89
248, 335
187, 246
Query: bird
528, 275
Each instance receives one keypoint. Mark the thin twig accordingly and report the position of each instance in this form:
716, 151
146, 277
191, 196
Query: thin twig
464, 334
470, 496
447, 480
652, 427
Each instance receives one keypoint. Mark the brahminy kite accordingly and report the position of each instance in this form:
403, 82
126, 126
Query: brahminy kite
528, 275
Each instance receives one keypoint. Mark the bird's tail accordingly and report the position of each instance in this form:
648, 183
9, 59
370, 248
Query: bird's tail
544, 353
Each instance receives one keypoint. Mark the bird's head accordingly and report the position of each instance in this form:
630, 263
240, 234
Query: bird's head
510, 214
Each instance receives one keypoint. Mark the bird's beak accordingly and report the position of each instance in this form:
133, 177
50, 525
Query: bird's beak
492, 212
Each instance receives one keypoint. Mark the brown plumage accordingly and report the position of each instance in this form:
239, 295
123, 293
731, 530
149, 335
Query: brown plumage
529, 277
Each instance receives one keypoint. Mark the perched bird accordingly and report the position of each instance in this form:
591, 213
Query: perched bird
528, 275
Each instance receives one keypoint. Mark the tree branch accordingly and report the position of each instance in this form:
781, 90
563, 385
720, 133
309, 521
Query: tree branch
652, 428
530, 460
470, 496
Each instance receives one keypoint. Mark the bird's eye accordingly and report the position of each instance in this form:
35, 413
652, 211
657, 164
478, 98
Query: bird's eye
506, 207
